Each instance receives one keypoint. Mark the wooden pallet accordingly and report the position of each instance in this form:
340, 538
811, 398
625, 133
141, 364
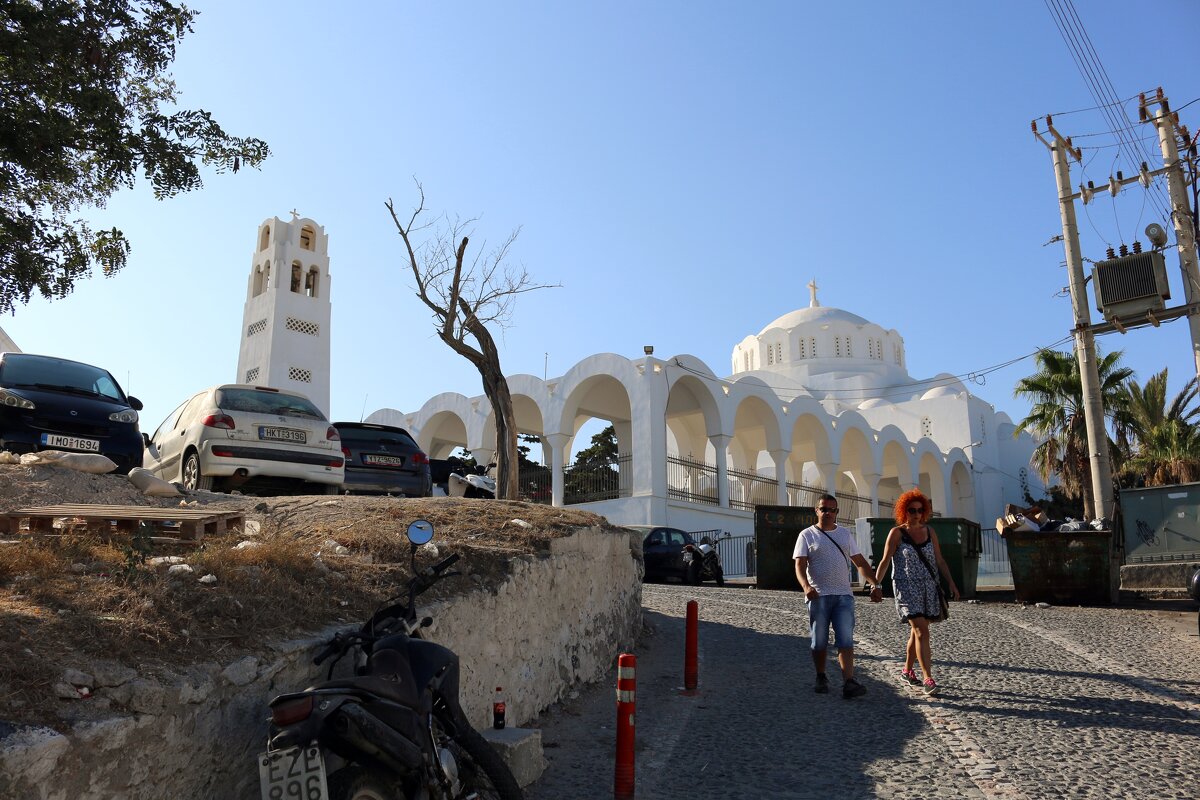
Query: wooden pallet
174, 523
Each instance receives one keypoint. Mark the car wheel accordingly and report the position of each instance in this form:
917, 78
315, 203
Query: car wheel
693, 573
193, 479
330, 488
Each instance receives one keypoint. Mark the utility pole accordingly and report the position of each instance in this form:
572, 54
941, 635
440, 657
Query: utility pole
1085, 340
1167, 124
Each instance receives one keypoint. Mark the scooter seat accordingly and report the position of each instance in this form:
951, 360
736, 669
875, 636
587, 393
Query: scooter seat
394, 690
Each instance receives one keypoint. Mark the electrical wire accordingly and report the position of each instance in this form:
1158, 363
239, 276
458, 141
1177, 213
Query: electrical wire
1096, 78
896, 389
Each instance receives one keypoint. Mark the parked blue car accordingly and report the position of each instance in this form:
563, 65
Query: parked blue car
49, 403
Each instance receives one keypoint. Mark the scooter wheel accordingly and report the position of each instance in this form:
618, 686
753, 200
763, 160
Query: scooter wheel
481, 768
355, 783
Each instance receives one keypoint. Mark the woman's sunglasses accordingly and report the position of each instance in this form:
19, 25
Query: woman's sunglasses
916, 510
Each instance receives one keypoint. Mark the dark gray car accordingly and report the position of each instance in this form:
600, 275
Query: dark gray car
381, 459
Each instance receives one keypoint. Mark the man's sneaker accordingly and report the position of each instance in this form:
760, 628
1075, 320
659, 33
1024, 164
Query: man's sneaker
930, 687
909, 677
822, 685
852, 688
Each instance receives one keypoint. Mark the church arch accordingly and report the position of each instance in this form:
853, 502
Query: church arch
311, 280
264, 238
308, 238
931, 475
962, 491
897, 466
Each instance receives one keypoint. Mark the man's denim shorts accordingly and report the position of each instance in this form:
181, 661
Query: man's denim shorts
837, 609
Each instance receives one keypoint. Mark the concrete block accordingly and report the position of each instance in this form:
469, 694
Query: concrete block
521, 749
1165, 575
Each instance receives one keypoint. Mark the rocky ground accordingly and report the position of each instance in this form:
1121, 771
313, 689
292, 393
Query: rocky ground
81, 601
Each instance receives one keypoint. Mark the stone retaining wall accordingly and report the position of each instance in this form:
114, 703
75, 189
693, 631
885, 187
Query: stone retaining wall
559, 620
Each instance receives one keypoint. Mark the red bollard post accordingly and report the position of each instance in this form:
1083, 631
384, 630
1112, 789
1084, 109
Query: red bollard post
626, 705
690, 648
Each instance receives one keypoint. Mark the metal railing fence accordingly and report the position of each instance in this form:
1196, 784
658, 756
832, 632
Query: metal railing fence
691, 480
736, 552
590, 484
994, 567
748, 489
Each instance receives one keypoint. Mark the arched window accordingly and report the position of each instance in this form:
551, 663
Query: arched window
307, 238
264, 241
260, 278
296, 276
310, 282
266, 278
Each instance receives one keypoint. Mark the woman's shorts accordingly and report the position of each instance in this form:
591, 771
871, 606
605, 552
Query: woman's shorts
835, 609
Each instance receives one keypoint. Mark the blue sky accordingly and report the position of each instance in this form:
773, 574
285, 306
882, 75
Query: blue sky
682, 169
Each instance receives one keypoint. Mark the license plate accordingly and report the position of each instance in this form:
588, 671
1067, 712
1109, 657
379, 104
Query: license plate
282, 434
298, 772
71, 442
384, 461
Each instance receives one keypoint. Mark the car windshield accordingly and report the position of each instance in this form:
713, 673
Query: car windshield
363, 439
256, 401
39, 372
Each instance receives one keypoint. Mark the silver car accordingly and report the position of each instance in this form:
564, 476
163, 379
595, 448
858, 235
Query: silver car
236, 436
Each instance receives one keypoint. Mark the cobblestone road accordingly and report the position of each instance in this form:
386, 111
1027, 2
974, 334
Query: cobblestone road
1036, 703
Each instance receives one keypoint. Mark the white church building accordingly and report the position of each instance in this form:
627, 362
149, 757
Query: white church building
820, 397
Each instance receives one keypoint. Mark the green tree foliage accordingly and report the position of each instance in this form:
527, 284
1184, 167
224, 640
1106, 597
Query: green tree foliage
1056, 390
1161, 440
602, 452
86, 104
594, 474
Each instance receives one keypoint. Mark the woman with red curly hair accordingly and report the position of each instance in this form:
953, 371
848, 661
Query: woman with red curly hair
914, 546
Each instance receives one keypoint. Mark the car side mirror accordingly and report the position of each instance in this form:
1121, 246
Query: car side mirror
134, 403
145, 439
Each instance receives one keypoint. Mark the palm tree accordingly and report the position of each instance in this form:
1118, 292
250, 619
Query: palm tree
1161, 440
1056, 390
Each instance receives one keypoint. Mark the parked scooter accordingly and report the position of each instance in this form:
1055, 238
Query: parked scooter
394, 731
705, 563
481, 484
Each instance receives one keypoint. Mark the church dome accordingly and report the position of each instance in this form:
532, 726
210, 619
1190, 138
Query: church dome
824, 341
813, 315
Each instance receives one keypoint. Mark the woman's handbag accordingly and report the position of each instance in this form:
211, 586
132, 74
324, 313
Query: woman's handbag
936, 582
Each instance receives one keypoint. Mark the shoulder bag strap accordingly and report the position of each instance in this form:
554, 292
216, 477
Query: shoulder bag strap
921, 556
835, 544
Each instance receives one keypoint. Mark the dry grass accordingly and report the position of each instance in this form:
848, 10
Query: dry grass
71, 600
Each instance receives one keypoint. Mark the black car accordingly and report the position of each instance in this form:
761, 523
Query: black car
49, 403
381, 459
666, 554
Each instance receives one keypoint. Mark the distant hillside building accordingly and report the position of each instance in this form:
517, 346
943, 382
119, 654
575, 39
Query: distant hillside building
819, 398
285, 325
7, 345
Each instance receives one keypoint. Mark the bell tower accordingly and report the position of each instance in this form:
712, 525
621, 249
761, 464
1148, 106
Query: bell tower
285, 325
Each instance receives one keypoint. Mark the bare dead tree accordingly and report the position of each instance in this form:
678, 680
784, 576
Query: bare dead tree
465, 299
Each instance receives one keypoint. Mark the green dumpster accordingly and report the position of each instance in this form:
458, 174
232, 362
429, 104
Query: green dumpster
1060, 568
960, 539
775, 532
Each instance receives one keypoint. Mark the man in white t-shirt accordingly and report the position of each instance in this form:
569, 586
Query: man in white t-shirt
824, 553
